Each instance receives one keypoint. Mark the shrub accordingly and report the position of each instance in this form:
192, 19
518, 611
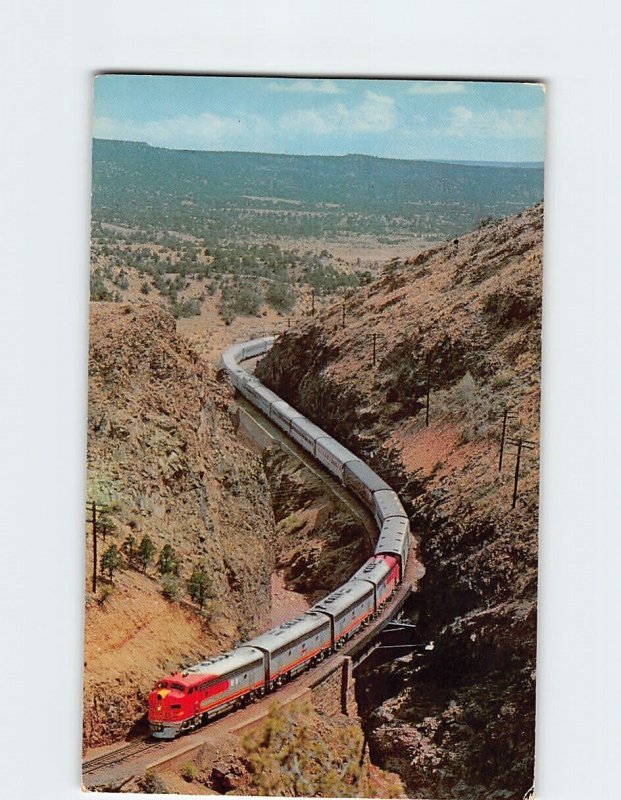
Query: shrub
185, 308
227, 315
145, 288
280, 296
502, 379
129, 548
189, 772
200, 586
247, 301
104, 594
153, 784
98, 288
465, 388
170, 587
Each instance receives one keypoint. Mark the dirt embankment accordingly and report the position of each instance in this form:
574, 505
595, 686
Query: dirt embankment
464, 319
163, 455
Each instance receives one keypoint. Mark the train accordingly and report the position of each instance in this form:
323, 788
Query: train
188, 699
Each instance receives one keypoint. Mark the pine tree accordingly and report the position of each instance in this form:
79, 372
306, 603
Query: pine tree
146, 552
129, 546
168, 562
200, 586
110, 560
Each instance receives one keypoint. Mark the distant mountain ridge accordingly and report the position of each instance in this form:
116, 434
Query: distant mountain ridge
218, 194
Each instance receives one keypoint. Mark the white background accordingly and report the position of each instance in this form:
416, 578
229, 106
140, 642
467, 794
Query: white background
48, 52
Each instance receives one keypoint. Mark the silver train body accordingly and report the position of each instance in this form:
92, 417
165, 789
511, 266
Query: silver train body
263, 663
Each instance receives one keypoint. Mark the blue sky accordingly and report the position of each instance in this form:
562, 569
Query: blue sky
455, 120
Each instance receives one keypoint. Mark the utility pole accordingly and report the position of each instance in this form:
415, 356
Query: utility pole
312, 302
288, 322
505, 417
520, 444
94, 521
343, 308
375, 335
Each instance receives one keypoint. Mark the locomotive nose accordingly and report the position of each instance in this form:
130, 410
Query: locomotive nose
158, 697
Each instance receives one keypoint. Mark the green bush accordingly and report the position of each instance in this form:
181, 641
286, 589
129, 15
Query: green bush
153, 784
98, 288
104, 594
200, 586
280, 296
189, 772
170, 587
247, 301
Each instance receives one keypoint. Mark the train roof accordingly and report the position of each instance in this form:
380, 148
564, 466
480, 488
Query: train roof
343, 598
376, 568
257, 346
289, 631
393, 537
223, 663
366, 475
388, 504
233, 353
338, 450
314, 431
267, 394
286, 410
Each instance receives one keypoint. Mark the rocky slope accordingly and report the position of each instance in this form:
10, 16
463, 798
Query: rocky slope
319, 544
162, 454
465, 319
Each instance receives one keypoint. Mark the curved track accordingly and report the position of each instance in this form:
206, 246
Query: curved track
116, 766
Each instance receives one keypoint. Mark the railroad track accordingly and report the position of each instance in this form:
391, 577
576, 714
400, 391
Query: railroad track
120, 754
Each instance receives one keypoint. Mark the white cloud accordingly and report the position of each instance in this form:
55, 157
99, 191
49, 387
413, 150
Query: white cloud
375, 114
434, 88
205, 131
509, 123
305, 86
245, 131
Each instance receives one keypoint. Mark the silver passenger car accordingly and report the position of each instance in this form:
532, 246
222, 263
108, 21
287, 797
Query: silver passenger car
394, 539
291, 646
283, 415
259, 395
306, 433
386, 504
333, 455
348, 607
256, 347
382, 574
363, 481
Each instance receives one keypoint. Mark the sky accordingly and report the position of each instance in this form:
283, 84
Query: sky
448, 120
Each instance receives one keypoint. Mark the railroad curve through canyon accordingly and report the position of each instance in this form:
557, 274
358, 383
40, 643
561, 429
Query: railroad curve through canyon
112, 767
